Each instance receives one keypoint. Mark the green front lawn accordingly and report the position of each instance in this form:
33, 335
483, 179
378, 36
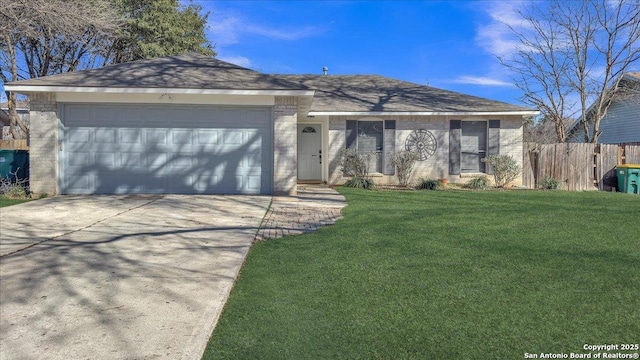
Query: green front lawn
5, 201
443, 275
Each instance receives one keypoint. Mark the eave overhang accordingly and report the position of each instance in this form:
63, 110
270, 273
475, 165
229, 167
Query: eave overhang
122, 90
429, 113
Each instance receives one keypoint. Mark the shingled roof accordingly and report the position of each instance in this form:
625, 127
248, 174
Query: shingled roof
374, 93
189, 71
331, 93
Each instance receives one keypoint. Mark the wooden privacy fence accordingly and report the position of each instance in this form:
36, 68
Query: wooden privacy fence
577, 166
14, 144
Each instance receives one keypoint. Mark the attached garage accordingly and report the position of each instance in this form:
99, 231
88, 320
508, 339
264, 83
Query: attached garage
191, 124
158, 148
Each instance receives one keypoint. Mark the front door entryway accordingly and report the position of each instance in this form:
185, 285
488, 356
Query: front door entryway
310, 152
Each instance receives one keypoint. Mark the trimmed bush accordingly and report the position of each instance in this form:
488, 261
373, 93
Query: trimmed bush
403, 161
354, 163
429, 184
478, 183
549, 183
358, 182
505, 169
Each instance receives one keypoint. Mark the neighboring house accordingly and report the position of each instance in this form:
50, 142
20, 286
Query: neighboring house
621, 124
23, 113
193, 124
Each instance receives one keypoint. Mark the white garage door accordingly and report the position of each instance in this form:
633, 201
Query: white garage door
143, 149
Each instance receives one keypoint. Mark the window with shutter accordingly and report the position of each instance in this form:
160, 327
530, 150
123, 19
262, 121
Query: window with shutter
455, 128
366, 137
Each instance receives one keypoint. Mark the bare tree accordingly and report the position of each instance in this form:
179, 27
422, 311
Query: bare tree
44, 37
541, 130
572, 54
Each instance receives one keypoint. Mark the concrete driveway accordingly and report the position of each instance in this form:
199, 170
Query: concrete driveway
119, 277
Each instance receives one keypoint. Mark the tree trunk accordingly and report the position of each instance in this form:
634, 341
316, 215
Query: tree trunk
11, 117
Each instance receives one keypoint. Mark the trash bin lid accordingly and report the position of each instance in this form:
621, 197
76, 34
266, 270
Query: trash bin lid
632, 166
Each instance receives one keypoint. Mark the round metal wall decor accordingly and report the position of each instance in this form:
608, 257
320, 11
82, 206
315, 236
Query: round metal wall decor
422, 142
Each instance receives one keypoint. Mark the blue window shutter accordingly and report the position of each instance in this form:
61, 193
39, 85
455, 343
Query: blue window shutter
494, 137
455, 133
493, 145
389, 146
351, 134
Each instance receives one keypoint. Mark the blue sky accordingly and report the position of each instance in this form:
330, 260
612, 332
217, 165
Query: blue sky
447, 44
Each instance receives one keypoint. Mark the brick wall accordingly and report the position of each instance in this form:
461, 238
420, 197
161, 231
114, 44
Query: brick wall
337, 141
511, 140
43, 142
285, 146
437, 166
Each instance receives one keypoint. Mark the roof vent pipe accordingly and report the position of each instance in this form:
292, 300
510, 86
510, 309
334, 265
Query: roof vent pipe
325, 70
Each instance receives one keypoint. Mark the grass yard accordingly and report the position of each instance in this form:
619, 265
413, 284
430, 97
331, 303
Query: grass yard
5, 201
443, 275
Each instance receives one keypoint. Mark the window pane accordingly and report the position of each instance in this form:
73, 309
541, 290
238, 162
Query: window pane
473, 146
370, 140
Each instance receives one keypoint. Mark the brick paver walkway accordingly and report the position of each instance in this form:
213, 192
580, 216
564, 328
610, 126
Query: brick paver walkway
314, 207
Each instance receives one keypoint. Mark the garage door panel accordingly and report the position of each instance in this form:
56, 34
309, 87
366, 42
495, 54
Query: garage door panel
166, 149
232, 137
81, 159
183, 184
127, 183
107, 160
182, 161
181, 137
208, 181
254, 182
253, 159
130, 160
105, 135
130, 136
155, 161
253, 140
156, 136
78, 136
82, 184
207, 137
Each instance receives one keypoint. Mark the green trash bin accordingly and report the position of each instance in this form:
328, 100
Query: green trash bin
628, 178
14, 163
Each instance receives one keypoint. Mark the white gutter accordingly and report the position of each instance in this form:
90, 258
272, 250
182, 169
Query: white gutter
34, 89
437, 113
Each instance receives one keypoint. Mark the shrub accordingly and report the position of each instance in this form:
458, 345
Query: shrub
403, 161
358, 182
429, 184
354, 163
478, 183
549, 183
505, 169
14, 187
15, 191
